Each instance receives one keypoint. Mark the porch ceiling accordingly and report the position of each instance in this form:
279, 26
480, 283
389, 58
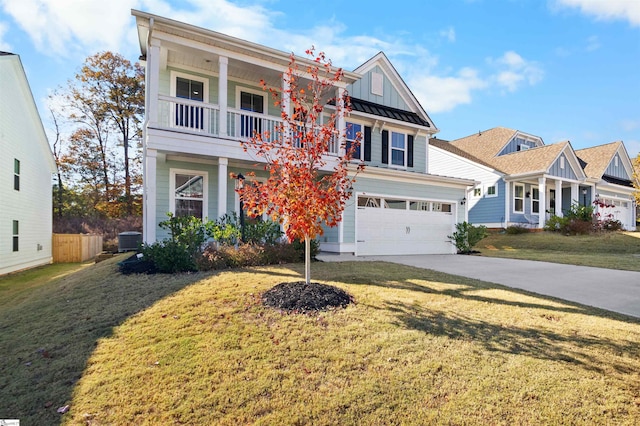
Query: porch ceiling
237, 70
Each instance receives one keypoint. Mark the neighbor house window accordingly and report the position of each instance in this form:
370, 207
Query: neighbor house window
15, 235
492, 191
518, 198
16, 174
353, 129
189, 193
477, 192
398, 148
535, 200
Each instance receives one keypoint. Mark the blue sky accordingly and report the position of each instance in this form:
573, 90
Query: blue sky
559, 69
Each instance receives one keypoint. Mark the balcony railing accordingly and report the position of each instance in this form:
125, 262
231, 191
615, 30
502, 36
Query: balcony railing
204, 119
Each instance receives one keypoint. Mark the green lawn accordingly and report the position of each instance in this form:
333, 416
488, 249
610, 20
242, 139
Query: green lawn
616, 250
417, 347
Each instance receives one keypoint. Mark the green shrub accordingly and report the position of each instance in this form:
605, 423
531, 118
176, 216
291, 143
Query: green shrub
169, 257
299, 247
467, 236
185, 231
217, 257
516, 229
262, 232
225, 230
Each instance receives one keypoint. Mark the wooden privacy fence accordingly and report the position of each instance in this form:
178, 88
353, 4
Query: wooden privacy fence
70, 248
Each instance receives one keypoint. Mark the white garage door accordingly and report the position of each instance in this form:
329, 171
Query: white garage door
616, 210
395, 226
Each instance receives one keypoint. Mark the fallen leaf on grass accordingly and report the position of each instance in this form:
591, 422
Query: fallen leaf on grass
64, 409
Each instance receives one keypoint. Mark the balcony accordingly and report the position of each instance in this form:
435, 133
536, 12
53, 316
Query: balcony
203, 119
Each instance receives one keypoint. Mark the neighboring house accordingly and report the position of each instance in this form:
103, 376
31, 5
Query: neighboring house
610, 169
524, 181
27, 165
203, 98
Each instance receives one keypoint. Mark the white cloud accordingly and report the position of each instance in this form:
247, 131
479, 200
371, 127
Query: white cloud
4, 46
593, 43
514, 70
607, 10
448, 34
441, 94
60, 27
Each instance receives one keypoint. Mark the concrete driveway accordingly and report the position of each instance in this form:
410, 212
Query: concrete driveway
613, 290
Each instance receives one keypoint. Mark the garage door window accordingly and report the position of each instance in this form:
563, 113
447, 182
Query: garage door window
368, 202
442, 207
395, 204
423, 206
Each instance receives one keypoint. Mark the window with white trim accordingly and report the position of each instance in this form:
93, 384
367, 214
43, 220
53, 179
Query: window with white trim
518, 198
535, 200
353, 131
492, 191
562, 162
189, 193
398, 148
255, 103
193, 90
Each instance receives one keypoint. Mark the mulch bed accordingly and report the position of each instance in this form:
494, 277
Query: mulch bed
302, 297
134, 265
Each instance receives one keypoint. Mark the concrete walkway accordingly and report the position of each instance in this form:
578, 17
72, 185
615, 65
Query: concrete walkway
613, 290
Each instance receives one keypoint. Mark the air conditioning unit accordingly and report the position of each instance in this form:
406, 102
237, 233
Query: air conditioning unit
129, 241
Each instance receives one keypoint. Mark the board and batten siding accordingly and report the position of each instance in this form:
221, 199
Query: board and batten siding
361, 89
23, 138
514, 145
617, 171
567, 172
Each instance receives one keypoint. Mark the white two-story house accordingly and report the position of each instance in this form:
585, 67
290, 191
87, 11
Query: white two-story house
26, 168
203, 98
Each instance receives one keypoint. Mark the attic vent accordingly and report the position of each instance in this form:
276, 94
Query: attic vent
377, 84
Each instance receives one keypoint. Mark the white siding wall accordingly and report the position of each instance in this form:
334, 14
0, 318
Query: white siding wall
22, 138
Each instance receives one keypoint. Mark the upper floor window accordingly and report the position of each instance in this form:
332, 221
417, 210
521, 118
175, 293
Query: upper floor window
192, 89
562, 162
353, 129
398, 148
518, 198
477, 192
189, 193
16, 174
492, 191
255, 103
16, 235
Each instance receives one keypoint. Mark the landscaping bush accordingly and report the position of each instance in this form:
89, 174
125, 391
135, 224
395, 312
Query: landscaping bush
299, 247
169, 257
217, 257
467, 236
516, 229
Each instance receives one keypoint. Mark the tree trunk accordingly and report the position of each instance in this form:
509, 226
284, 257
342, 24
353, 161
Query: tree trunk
307, 259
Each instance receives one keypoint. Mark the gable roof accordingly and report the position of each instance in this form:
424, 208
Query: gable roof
487, 144
596, 159
449, 147
531, 160
11, 68
381, 60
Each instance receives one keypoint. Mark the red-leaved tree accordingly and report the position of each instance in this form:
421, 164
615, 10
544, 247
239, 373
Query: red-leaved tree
306, 155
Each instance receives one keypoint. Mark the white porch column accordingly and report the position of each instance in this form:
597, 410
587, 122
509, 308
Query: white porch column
593, 195
285, 105
507, 203
222, 185
150, 197
542, 202
558, 206
152, 74
342, 123
223, 63
574, 193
